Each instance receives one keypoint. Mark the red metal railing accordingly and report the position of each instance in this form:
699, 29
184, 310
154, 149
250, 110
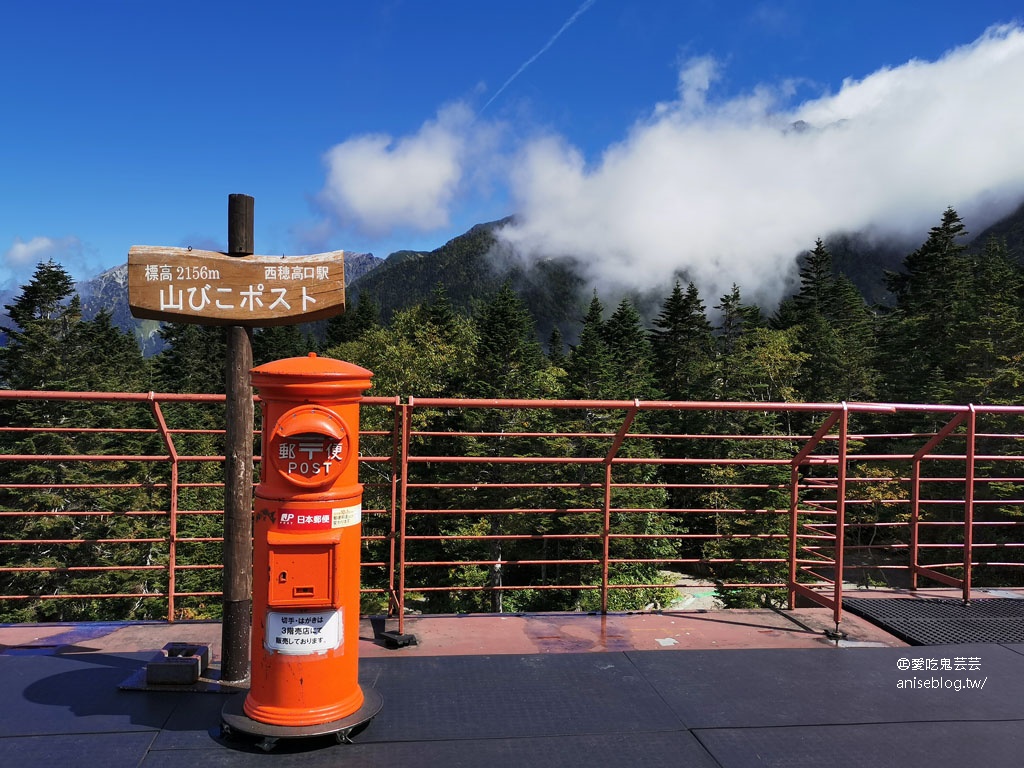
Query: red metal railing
523, 505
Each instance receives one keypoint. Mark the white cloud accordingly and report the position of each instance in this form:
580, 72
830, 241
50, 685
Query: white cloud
377, 183
20, 259
731, 191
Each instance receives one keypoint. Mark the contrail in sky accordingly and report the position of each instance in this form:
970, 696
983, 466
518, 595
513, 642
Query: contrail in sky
572, 20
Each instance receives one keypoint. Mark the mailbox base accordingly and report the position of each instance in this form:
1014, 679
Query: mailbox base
235, 721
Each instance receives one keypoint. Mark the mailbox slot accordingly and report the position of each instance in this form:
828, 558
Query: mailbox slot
302, 570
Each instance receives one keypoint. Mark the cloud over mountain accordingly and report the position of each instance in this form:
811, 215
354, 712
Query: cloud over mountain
722, 190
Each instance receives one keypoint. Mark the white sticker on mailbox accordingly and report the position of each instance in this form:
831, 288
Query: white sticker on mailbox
343, 517
303, 634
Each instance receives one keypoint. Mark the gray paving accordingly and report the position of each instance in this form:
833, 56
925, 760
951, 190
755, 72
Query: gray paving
717, 708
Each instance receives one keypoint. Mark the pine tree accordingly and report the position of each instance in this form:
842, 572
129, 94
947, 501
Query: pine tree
987, 331
736, 320
590, 362
509, 359
816, 281
50, 347
684, 365
41, 349
509, 364
923, 288
630, 353
833, 330
193, 359
438, 309
279, 342
556, 348
352, 324
610, 362
755, 363
683, 346
111, 360
917, 333
856, 377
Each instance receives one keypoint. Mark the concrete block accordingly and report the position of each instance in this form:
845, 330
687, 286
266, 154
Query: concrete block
174, 670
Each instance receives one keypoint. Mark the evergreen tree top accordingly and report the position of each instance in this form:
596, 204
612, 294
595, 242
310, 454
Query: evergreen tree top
44, 297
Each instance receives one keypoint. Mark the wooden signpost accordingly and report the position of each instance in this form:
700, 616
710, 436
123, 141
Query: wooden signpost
210, 288
240, 291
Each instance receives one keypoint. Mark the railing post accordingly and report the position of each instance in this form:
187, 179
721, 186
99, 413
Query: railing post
844, 431
794, 522
606, 530
972, 432
616, 443
403, 522
172, 537
606, 527
794, 504
396, 436
915, 518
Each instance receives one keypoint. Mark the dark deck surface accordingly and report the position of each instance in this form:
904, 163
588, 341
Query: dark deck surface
819, 705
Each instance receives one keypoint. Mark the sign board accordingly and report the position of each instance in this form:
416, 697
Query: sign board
305, 633
188, 286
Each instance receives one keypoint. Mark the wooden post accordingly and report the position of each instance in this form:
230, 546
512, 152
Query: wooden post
239, 290
238, 474
241, 240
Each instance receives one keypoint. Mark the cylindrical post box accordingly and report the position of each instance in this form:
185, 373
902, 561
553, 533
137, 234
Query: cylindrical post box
306, 548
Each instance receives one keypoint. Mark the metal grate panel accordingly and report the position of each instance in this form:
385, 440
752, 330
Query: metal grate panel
938, 621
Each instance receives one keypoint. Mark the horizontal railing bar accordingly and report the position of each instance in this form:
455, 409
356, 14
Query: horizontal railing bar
664, 405
69, 542
81, 568
402, 478
115, 397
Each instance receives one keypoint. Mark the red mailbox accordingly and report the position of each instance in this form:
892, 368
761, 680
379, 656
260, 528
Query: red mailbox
306, 550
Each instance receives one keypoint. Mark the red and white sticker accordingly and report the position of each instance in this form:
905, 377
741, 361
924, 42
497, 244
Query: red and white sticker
319, 519
343, 517
305, 519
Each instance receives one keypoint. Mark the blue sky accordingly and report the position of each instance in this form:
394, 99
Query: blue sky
643, 137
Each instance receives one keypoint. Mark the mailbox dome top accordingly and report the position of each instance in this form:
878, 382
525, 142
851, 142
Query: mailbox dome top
309, 369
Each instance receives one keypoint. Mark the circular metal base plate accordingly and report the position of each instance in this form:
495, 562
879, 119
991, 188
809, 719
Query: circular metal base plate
234, 720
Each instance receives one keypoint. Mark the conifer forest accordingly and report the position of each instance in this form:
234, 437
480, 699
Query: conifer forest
953, 333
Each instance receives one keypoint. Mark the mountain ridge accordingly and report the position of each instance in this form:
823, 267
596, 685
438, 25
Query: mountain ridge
474, 264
